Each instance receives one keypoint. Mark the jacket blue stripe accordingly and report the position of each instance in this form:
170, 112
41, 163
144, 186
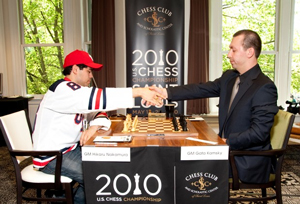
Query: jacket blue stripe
91, 99
104, 98
55, 84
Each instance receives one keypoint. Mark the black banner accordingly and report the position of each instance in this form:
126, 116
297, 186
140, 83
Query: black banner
202, 182
155, 47
156, 175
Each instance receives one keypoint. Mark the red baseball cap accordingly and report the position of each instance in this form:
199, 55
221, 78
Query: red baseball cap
81, 57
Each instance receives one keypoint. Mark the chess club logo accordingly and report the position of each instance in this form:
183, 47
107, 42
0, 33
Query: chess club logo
201, 183
154, 19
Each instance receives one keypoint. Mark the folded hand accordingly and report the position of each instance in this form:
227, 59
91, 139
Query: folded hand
87, 134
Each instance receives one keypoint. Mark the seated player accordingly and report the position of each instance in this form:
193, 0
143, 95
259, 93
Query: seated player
69, 102
246, 124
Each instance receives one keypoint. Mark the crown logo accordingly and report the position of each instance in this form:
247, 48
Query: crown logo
201, 184
154, 19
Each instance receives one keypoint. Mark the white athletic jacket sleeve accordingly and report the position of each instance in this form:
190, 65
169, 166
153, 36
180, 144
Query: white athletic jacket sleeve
59, 118
68, 97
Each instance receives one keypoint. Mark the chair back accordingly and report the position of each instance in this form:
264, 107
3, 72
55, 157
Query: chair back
280, 132
16, 131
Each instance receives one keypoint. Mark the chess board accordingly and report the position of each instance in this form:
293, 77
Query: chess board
163, 127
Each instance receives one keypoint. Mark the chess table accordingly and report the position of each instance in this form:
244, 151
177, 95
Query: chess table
157, 166
163, 127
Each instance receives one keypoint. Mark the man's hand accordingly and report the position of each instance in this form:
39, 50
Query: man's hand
151, 97
160, 91
87, 134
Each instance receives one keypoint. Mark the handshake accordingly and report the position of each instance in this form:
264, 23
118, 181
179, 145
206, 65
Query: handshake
151, 95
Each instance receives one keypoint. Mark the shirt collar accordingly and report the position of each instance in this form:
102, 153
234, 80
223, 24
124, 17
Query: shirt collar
244, 76
67, 79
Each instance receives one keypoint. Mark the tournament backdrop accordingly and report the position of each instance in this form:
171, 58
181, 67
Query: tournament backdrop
154, 47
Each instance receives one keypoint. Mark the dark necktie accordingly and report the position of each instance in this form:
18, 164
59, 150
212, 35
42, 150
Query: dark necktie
234, 91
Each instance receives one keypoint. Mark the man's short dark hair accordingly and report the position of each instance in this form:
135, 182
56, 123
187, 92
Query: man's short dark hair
67, 70
251, 39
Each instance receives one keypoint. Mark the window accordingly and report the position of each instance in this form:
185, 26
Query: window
42, 42
295, 82
255, 15
88, 26
284, 70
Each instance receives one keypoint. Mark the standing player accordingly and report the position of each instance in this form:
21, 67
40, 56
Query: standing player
66, 105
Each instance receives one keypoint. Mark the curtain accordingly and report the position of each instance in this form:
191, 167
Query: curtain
103, 42
198, 52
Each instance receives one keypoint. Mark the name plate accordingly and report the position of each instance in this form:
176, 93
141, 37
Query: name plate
204, 153
106, 154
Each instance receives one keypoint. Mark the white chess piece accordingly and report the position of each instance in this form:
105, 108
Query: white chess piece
137, 190
160, 63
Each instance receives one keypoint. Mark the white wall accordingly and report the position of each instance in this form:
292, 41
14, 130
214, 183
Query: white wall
2, 47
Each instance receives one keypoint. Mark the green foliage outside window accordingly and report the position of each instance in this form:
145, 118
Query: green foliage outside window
255, 15
295, 84
43, 35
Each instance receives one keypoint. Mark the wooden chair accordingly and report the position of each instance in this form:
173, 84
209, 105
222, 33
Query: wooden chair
280, 134
17, 135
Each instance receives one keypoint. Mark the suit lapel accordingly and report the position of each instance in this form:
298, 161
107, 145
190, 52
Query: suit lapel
244, 86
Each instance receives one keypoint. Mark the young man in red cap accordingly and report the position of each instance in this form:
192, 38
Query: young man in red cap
69, 102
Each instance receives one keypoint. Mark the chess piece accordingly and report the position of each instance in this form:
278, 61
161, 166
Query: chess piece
161, 63
175, 124
125, 126
169, 110
183, 123
134, 124
137, 190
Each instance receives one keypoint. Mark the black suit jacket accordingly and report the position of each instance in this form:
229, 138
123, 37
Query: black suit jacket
248, 123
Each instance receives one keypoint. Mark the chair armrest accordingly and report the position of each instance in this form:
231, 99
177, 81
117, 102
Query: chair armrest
232, 153
272, 152
34, 153
56, 153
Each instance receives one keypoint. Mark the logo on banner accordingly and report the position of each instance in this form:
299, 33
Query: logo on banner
154, 19
154, 49
201, 184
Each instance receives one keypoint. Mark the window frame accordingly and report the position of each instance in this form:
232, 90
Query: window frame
74, 22
283, 30
72, 15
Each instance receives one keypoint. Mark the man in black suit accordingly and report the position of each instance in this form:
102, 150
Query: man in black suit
247, 123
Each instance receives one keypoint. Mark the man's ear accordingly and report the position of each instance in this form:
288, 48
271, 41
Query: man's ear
250, 52
75, 69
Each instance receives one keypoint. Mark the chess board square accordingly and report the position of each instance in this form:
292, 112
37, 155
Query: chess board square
143, 128
159, 129
168, 128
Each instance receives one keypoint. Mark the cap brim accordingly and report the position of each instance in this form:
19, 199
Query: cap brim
95, 66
